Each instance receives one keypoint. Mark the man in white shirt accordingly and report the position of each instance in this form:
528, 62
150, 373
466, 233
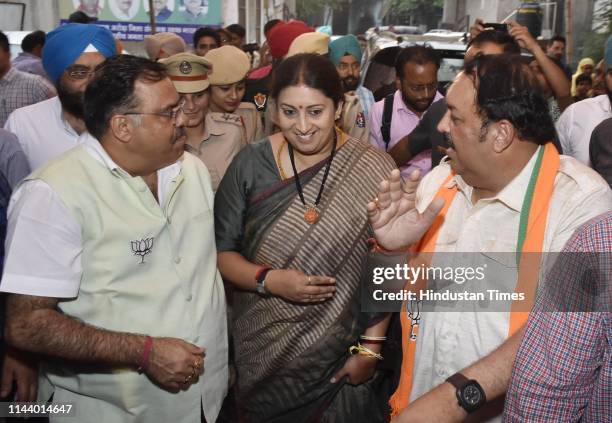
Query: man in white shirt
47, 129
578, 121
499, 131
111, 262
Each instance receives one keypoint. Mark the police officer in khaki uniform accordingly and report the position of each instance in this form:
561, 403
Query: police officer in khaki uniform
230, 68
214, 137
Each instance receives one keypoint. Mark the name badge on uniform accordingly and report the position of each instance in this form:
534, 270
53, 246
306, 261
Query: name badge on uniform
360, 120
260, 100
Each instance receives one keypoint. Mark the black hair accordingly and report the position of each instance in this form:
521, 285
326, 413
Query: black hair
501, 38
507, 89
33, 40
111, 91
268, 26
4, 42
236, 29
206, 31
559, 38
312, 70
415, 54
584, 77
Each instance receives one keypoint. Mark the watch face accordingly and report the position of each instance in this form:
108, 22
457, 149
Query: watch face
471, 395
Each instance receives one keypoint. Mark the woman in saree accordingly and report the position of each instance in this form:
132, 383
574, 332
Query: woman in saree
292, 229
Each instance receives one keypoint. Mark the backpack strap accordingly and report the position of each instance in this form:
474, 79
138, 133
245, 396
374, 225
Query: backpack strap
385, 127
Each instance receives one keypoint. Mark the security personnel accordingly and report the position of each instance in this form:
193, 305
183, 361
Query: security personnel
230, 66
214, 137
352, 119
279, 39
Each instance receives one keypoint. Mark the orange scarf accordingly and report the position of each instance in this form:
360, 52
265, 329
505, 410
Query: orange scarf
527, 273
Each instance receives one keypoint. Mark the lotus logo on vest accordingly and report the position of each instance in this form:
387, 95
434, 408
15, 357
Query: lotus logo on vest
142, 248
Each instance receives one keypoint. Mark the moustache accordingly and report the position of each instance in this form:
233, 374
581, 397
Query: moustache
448, 140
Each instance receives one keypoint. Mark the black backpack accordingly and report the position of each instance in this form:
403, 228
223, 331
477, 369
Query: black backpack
385, 127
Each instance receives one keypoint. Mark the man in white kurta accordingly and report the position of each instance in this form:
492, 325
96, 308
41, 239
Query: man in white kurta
122, 264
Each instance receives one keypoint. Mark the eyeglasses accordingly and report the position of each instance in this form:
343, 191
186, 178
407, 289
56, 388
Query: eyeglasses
171, 114
78, 73
421, 88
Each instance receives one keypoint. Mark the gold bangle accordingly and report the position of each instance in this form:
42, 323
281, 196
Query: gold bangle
361, 350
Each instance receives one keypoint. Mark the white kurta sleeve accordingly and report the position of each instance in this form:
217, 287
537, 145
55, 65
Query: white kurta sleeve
43, 244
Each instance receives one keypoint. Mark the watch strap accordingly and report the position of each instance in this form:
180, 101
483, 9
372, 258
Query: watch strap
458, 380
260, 280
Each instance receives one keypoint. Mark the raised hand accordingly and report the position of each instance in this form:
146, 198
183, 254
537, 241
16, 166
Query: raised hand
522, 36
294, 285
175, 364
393, 217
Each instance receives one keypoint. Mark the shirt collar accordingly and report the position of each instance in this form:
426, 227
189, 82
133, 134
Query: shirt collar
211, 126
604, 102
10, 75
513, 194
95, 149
57, 106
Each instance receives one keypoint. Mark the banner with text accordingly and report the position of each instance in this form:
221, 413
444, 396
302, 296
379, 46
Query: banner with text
129, 19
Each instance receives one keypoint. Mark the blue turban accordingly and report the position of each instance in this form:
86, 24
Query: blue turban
608, 52
343, 46
65, 44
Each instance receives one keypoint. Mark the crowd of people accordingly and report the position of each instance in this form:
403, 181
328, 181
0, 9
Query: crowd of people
187, 234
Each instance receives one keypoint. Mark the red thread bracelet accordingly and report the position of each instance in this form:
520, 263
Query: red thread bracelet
146, 352
260, 271
372, 341
376, 247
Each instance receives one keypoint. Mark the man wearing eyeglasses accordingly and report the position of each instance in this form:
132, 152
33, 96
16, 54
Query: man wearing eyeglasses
399, 113
111, 261
47, 129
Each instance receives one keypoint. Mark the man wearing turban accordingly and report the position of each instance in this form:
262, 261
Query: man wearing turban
345, 53
71, 53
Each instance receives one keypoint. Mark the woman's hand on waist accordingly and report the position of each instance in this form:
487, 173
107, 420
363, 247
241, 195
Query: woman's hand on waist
294, 285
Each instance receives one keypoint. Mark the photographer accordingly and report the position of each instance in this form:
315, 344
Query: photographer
552, 79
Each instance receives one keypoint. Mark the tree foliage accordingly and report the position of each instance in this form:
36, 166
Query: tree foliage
595, 40
305, 9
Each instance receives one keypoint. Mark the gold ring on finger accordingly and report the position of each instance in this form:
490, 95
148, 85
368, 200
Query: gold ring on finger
187, 379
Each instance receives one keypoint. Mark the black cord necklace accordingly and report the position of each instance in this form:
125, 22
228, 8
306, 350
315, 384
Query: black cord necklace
311, 215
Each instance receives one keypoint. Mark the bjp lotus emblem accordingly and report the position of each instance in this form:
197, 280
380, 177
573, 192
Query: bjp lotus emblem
142, 248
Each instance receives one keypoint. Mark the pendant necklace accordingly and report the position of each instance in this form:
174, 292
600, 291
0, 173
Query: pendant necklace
311, 215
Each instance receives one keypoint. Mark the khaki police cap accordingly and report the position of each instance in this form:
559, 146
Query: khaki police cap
230, 65
310, 42
169, 42
189, 73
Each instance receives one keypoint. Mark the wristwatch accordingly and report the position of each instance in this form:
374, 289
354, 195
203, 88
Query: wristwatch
260, 280
469, 393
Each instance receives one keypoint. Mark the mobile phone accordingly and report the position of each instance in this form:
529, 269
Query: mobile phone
502, 27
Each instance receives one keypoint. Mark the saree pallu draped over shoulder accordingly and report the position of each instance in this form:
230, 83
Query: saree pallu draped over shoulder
286, 353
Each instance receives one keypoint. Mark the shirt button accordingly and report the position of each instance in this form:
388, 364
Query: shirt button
189, 297
177, 260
